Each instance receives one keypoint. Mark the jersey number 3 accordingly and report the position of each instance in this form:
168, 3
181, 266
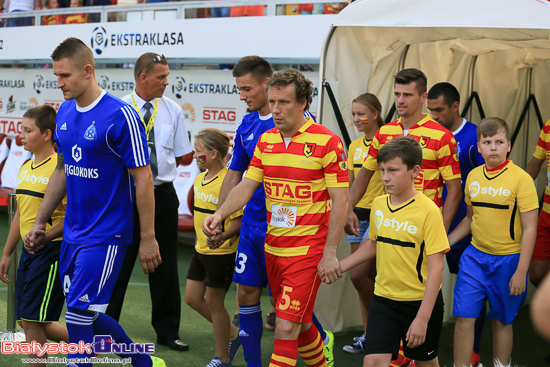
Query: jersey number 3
241, 263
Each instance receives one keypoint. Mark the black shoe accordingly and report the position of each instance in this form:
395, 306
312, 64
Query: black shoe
175, 344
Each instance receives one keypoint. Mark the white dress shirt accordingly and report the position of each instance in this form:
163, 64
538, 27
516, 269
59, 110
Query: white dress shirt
171, 138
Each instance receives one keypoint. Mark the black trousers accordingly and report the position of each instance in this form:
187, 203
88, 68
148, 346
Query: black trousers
164, 282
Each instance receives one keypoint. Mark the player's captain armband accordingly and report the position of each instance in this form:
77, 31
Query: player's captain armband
283, 216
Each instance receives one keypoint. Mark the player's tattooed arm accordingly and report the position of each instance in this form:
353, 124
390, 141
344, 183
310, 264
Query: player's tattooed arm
60, 162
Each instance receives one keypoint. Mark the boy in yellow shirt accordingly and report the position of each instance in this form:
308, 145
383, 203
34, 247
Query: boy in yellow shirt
408, 230
502, 213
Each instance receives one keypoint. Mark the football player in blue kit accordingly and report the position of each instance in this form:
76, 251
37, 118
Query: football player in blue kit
102, 156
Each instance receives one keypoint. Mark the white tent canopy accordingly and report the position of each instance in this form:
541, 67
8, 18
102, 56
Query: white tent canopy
497, 48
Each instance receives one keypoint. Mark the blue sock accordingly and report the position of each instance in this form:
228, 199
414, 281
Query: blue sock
479, 327
251, 332
105, 325
80, 327
319, 327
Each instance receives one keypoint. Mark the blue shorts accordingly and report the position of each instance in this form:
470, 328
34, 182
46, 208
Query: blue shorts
39, 296
250, 260
89, 274
363, 232
482, 277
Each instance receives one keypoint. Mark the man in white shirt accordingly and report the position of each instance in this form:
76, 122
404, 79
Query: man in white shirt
168, 143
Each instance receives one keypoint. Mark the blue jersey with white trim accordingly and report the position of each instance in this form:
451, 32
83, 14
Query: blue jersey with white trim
248, 133
469, 158
252, 126
99, 144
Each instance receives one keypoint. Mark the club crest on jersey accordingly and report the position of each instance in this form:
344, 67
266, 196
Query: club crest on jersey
91, 132
343, 163
309, 149
424, 141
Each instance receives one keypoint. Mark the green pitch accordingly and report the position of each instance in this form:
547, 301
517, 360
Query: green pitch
529, 348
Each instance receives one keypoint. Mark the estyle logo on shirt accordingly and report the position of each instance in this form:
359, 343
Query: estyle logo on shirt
360, 154
205, 198
24, 176
475, 189
380, 221
283, 216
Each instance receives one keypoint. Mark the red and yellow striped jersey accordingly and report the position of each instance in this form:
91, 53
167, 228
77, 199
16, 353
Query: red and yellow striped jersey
543, 152
296, 179
440, 154
358, 151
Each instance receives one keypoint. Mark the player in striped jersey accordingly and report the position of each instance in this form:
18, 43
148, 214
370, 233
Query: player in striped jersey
440, 160
252, 74
303, 167
102, 146
540, 263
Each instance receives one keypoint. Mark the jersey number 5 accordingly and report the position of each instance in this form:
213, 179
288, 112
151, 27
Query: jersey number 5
285, 298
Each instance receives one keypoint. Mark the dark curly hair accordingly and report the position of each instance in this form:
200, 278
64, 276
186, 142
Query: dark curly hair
303, 87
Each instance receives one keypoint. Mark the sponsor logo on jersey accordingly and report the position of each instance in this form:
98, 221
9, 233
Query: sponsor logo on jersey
64, 126
283, 216
396, 225
210, 198
250, 137
84, 172
33, 179
77, 153
289, 192
309, 149
358, 154
71, 170
475, 189
91, 132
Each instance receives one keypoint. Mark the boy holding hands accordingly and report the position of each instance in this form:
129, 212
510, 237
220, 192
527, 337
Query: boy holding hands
39, 294
502, 213
408, 230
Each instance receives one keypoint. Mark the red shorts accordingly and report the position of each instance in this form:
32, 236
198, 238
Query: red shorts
294, 284
542, 244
